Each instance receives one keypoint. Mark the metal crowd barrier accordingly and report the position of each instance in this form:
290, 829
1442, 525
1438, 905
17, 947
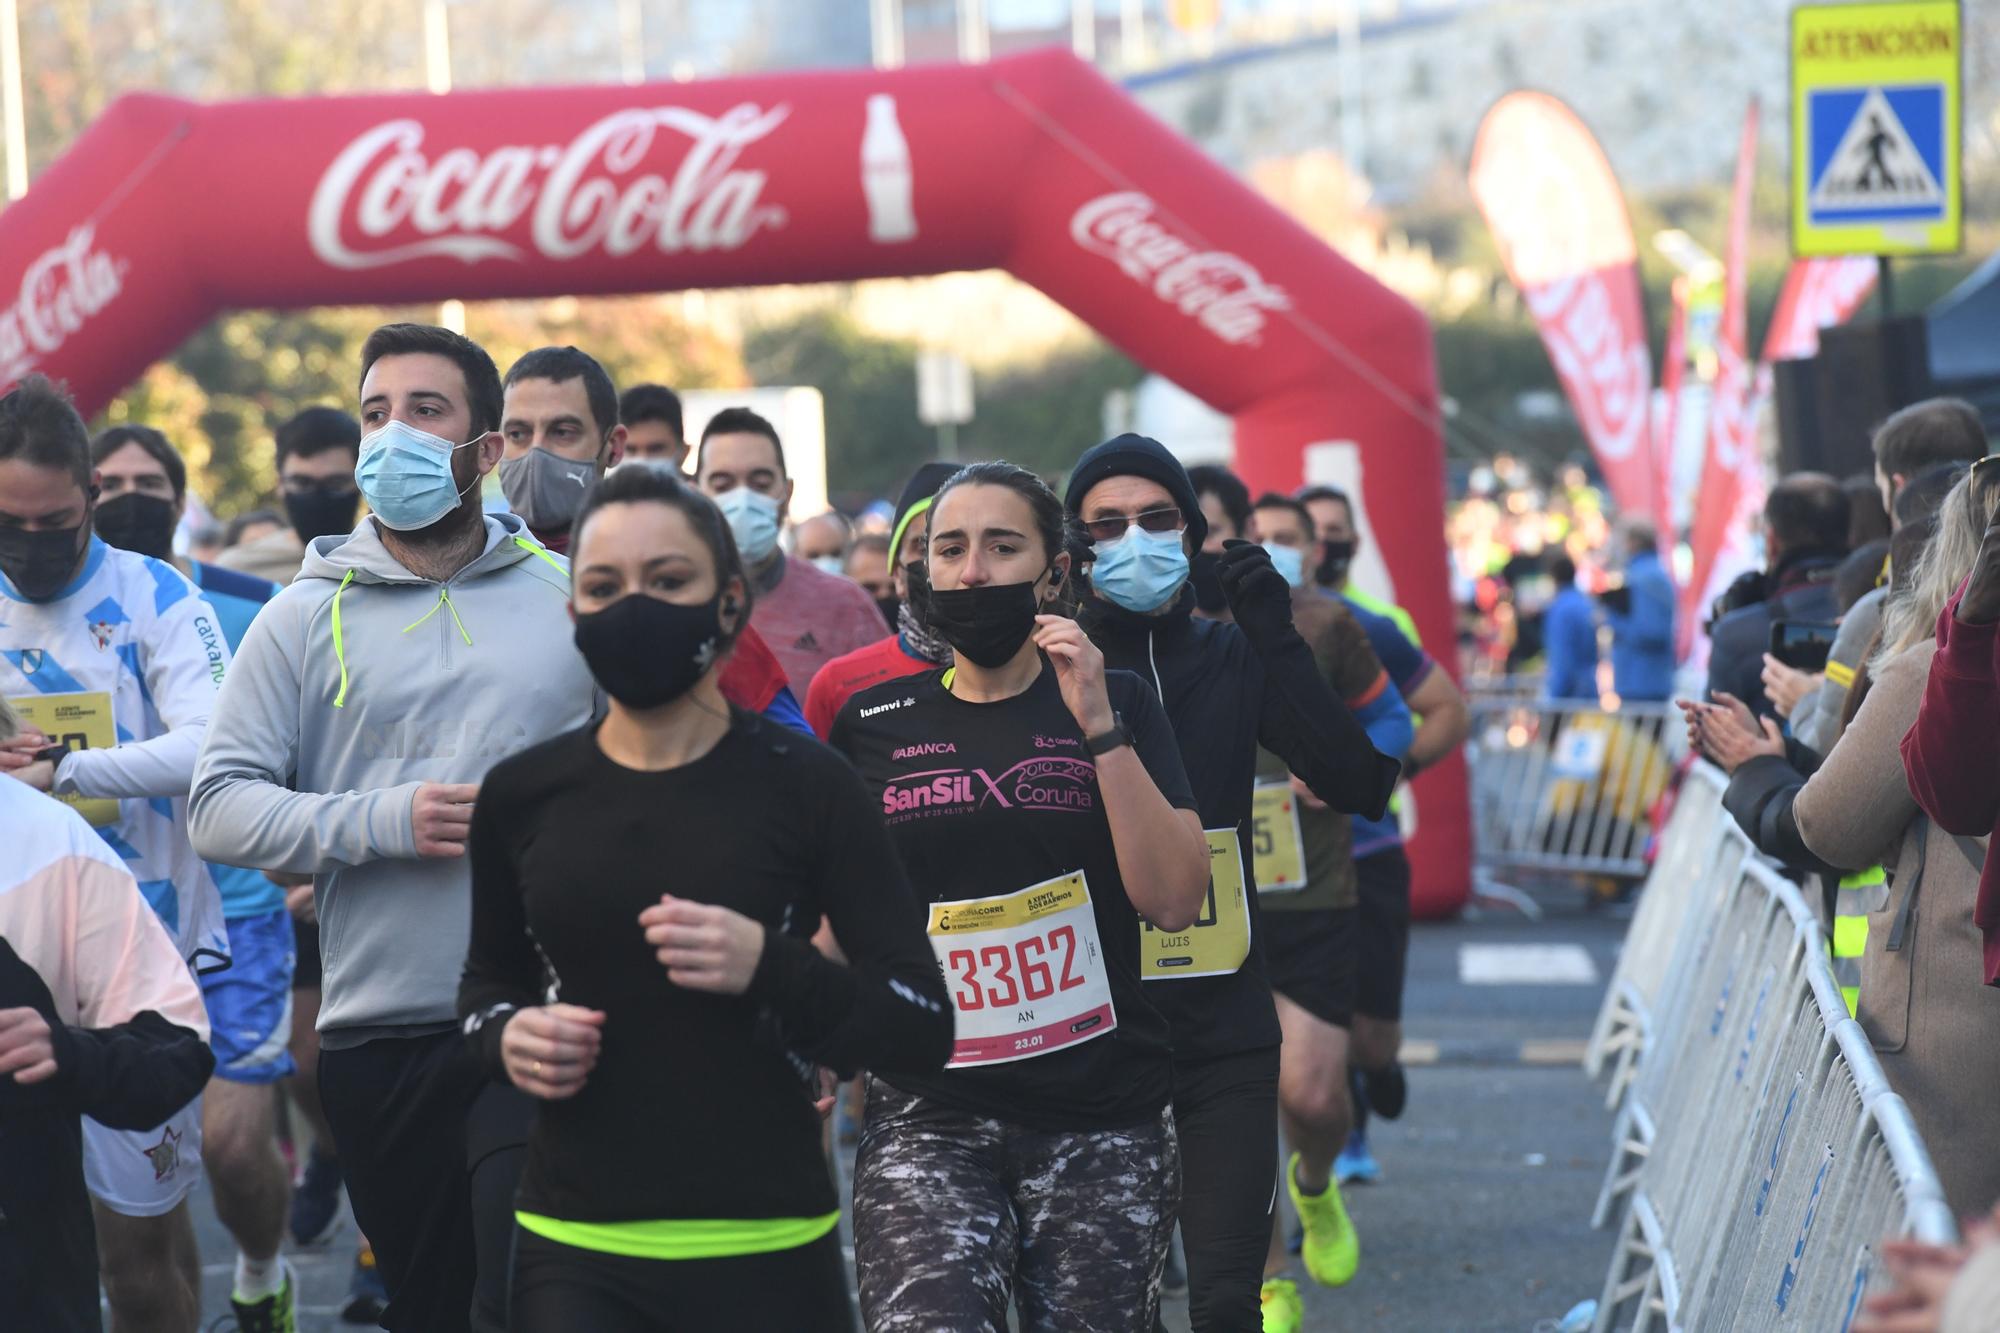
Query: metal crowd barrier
1759, 1155
1565, 785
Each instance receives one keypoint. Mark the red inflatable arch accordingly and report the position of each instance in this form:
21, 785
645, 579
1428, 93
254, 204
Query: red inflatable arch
166, 212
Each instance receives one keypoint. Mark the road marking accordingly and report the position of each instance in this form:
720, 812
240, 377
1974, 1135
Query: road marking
1525, 965
1563, 1051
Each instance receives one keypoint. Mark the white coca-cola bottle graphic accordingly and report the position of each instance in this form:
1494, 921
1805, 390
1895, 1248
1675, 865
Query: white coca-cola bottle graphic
885, 174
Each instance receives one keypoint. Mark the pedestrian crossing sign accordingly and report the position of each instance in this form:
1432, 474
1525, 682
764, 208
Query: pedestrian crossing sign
1876, 128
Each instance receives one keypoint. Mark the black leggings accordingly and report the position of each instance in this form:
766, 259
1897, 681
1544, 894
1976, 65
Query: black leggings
561, 1289
1226, 1110
954, 1213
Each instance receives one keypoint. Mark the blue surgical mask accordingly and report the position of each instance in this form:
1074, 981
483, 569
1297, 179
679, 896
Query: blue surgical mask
829, 564
405, 475
753, 520
1289, 561
1140, 570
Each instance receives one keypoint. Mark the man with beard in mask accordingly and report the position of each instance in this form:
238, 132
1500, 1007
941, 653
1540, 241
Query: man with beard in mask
559, 418
142, 485
914, 646
317, 450
370, 698
1226, 687
806, 615
116, 656
1382, 866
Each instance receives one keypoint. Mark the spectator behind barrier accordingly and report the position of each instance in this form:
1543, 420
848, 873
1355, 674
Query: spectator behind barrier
1569, 637
1937, 430
1805, 524
1949, 753
1935, 1028
1916, 503
1642, 621
1867, 511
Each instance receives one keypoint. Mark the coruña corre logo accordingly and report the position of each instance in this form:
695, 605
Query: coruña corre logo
1220, 290
66, 285
591, 193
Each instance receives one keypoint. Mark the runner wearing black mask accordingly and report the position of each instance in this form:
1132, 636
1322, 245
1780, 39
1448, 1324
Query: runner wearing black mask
630, 928
1040, 806
1225, 688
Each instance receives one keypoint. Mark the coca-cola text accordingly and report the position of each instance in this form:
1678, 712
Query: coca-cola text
64, 287
1225, 293
589, 194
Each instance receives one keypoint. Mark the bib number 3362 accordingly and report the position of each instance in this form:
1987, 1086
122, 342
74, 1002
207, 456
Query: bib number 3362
1025, 972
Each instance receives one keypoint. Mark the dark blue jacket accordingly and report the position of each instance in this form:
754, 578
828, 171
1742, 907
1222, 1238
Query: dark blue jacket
1569, 641
1738, 641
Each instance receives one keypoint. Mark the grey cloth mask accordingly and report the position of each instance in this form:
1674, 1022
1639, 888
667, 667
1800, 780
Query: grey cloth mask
545, 488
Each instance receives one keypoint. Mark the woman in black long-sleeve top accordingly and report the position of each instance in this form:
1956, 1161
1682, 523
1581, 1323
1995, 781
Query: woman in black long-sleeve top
644, 892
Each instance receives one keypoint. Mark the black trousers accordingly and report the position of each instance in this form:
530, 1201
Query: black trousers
561, 1289
431, 1149
1226, 1110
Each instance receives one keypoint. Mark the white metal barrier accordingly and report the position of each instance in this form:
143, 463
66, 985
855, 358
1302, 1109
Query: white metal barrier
1564, 785
1759, 1155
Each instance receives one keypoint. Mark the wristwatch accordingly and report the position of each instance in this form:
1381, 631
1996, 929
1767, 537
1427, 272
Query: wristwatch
1104, 742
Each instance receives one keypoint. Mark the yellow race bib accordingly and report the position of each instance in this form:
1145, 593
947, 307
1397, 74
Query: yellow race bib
82, 722
1277, 844
1219, 940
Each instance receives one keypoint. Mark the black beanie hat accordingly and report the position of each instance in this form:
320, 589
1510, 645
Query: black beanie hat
1136, 456
918, 492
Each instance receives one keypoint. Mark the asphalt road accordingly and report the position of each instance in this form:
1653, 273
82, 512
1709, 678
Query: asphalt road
1481, 1219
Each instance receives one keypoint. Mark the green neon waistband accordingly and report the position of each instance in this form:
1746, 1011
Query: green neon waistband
683, 1238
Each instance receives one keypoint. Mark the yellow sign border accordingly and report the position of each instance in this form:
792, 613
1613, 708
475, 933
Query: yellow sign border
1943, 237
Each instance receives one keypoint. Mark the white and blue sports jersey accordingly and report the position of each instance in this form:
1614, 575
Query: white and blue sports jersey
134, 630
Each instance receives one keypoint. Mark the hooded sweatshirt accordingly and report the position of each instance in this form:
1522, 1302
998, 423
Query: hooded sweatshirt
359, 683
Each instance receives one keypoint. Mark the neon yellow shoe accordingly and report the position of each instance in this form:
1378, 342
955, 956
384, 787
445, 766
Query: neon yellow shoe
1332, 1250
1284, 1312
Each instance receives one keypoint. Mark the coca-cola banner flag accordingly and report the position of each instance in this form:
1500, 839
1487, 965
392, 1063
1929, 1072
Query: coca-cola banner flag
1547, 193
167, 211
1818, 294
1732, 469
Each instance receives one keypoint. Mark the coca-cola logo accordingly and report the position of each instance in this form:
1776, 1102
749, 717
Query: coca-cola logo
1224, 293
1606, 372
593, 193
62, 289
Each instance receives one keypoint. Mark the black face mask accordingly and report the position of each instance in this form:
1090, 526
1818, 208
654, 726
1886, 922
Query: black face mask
38, 564
1332, 571
891, 609
1205, 574
985, 625
136, 522
323, 511
645, 652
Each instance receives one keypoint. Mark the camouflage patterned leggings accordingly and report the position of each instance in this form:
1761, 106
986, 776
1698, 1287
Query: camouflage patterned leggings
953, 1212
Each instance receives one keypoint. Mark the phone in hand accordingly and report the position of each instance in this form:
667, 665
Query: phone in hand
1803, 645
1617, 600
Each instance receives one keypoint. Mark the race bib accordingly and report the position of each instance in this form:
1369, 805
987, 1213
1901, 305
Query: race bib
1025, 972
1219, 940
82, 722
1277, 845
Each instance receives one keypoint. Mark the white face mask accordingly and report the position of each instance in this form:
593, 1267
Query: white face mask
829, 564
753, 520
405, 475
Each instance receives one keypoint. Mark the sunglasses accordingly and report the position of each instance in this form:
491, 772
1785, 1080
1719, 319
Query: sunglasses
1111, 528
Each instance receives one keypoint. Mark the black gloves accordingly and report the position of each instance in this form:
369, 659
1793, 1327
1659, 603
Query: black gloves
1259, 597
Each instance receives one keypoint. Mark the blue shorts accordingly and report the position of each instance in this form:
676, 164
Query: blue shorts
250, 1001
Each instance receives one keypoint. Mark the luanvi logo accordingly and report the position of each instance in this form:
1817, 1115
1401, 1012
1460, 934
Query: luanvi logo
887, 707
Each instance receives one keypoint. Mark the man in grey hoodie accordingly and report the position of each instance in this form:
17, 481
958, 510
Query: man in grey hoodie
365, 706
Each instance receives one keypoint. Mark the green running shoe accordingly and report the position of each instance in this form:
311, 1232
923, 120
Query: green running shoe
1332, 1250
276, 1313
1284, 1312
